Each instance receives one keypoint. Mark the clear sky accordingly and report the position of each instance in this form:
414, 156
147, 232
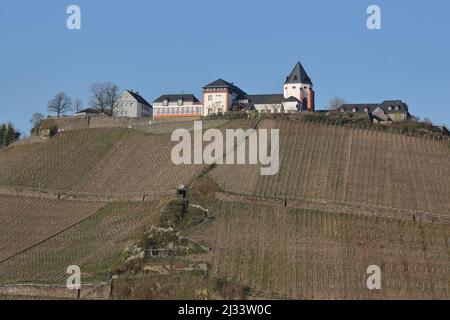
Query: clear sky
171, 46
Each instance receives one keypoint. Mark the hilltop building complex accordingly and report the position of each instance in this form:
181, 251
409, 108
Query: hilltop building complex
220, 97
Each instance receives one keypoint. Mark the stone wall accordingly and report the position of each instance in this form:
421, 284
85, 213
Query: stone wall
163, 126
69, 123
85, 122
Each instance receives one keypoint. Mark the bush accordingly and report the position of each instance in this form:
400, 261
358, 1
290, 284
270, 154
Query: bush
172, 214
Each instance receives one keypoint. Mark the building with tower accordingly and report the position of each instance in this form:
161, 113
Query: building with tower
298, 85
221, 96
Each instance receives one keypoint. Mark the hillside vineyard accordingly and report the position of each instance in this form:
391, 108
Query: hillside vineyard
348, 165
308, 254
344, 199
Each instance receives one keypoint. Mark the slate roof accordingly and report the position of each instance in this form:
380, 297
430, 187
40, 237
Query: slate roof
265, 98
139, 98
298, 75
220, 83
176, 97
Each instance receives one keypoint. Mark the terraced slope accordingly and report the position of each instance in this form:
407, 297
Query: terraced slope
349, 165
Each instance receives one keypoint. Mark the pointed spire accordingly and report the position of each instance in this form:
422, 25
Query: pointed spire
298, 75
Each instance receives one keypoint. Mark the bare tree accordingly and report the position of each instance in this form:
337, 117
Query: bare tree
36, 122
104, 96
112, 94
36, 118
60, 104
98, 97
78, 104
335, 103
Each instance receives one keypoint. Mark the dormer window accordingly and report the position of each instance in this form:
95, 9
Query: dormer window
166, 102
180, 102
390, 108
397, 108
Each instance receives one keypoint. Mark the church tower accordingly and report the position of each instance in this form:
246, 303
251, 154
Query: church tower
299, 85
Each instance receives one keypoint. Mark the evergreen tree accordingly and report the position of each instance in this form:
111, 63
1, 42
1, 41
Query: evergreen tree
8, 135
2, 134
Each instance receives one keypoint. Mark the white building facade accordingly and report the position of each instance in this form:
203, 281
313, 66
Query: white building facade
133, 105
176, 105
219, 96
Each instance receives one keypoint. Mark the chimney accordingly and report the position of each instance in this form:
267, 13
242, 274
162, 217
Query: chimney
311, 100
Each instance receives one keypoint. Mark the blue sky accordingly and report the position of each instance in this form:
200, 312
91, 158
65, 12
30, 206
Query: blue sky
159, 47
